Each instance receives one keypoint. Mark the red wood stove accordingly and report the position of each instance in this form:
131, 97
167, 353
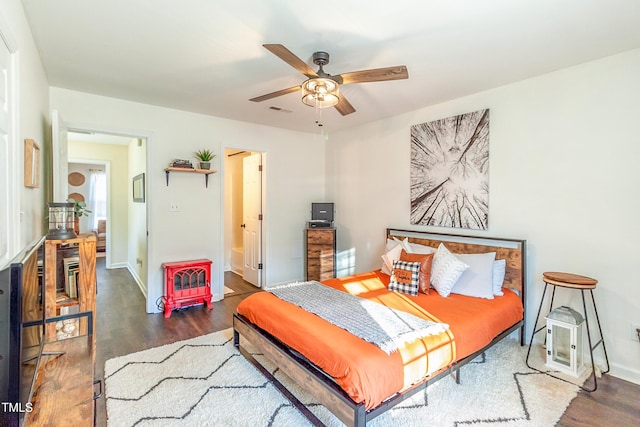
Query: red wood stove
187, 283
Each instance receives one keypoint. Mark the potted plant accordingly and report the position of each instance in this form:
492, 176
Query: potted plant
205, 156
79, 209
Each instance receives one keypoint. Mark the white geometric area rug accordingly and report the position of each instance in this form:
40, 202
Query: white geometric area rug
205, 381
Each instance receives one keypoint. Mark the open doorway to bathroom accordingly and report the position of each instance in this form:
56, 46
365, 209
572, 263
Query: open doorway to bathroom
243, 198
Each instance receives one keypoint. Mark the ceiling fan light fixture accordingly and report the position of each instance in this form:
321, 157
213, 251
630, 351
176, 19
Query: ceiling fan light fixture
320, 92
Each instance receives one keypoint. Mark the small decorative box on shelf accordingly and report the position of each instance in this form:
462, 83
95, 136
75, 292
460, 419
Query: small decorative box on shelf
187, 283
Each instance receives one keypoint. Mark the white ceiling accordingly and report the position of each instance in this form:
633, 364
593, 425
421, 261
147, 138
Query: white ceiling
207, 57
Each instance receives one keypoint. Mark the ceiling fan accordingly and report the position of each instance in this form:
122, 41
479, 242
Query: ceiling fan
321, 90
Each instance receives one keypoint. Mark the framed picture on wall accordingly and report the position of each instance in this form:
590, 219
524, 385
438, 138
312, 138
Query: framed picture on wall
138, 188
450, 172
31, 164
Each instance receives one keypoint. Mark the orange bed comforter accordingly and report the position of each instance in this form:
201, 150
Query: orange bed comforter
364, 371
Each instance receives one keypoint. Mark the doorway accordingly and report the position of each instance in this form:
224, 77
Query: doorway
92, 156
243, 199
124, 155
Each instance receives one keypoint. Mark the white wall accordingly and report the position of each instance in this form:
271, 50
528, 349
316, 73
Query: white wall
137, 252
33, 116
294, 174
564, 150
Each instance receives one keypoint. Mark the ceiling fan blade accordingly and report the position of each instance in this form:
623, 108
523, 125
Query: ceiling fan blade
290, 58
275, 94
344, 107
375, 75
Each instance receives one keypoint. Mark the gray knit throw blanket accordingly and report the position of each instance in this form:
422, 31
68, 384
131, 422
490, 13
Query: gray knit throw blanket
382, 326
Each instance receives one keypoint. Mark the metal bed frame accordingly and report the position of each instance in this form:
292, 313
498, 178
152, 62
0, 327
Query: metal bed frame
326, 391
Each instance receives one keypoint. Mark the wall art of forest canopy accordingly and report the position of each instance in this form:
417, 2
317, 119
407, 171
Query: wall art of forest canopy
450, 172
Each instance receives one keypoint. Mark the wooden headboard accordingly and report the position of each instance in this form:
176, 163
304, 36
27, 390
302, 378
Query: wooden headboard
511, 250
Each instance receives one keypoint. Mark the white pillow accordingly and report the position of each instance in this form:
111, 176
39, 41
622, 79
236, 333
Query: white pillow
390, 256
392, 243
499, 270
417, 248
392, 253
446, 270
477, 280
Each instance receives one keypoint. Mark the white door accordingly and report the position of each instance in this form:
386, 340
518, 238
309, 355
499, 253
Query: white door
9, 183
60, 158
252, 218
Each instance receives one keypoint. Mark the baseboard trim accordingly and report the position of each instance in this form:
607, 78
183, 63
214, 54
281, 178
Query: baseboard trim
119, 265
138, 281
625, 373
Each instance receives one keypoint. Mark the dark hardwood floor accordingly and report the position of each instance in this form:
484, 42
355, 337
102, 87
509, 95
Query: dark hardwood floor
123, 327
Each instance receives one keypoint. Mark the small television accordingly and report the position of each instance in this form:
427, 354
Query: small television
322, 212
22, 331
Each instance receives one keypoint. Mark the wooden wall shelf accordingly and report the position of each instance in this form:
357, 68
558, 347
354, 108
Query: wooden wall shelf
205, 172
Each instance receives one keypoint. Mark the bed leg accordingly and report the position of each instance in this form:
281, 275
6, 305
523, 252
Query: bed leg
456, 375
236, 338
360, 417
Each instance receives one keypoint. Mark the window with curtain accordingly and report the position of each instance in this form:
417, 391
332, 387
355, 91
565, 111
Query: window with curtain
98, 196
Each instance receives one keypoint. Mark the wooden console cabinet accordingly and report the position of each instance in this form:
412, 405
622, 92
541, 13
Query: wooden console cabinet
86, 280
320, 253
64, 390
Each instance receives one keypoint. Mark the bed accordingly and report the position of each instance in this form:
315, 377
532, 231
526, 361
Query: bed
354, 379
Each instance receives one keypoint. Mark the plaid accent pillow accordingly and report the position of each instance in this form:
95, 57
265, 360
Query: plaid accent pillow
404, 277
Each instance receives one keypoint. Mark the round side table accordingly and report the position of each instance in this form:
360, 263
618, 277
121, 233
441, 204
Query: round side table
581, 283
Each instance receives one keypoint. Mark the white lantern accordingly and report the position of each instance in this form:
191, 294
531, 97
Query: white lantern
564, 341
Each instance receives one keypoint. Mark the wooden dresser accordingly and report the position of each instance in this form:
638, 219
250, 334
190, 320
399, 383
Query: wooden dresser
320, 253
